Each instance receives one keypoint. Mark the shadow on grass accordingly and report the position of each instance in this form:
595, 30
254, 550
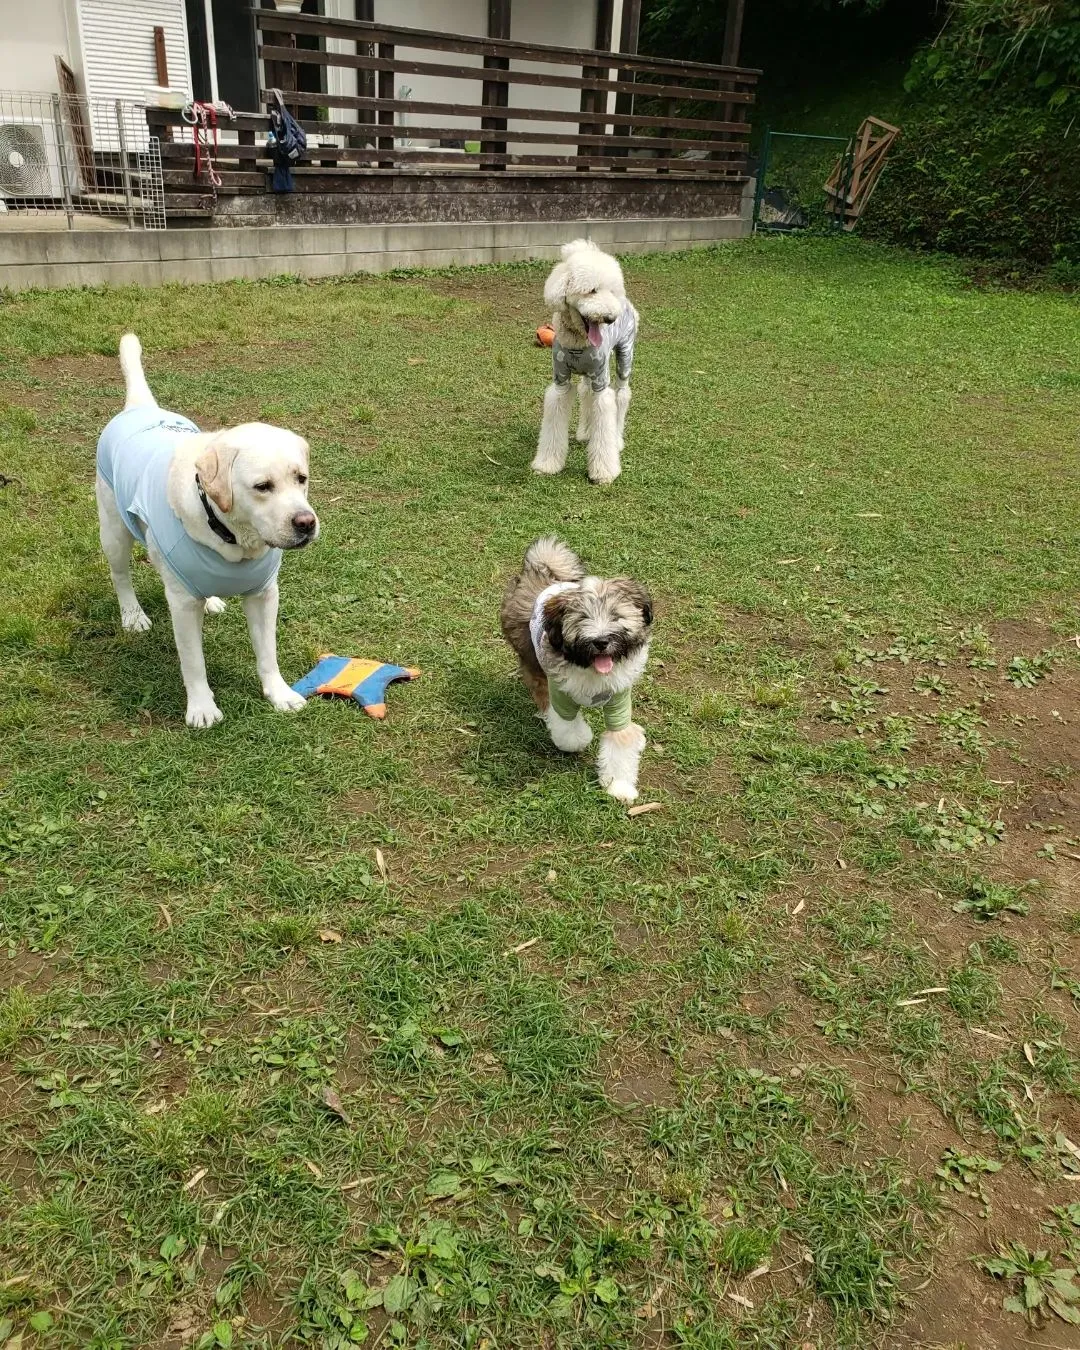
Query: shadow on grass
134, 672
513, 748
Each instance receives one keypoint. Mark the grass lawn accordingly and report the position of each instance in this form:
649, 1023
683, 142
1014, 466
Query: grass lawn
320, 1031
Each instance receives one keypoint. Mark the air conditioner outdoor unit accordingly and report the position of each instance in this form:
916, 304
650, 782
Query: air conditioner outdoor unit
30, 161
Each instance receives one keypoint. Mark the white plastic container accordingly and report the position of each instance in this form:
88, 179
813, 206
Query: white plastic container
159, 96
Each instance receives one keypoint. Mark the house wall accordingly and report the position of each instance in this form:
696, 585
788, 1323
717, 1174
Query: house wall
560, 23
35, 34
468, 17
556, 23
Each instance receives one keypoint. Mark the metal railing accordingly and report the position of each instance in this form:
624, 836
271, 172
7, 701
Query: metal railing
70, 158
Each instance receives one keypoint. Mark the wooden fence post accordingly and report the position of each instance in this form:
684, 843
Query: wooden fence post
386, 91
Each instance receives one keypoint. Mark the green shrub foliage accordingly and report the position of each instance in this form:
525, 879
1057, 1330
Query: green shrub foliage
989, 161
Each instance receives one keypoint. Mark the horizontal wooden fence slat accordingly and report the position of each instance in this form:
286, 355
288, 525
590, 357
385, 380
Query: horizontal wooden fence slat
302, 56
306, 99
352, 30
351, 155
532, 137
734, 149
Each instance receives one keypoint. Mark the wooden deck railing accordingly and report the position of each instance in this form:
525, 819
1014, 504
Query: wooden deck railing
685, 118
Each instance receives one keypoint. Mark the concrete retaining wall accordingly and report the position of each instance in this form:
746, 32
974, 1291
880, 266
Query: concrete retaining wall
30, 258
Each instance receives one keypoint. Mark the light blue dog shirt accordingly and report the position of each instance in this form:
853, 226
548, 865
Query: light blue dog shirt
133, 456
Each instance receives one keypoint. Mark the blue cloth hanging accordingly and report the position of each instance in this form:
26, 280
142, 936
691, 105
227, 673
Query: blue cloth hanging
286, 143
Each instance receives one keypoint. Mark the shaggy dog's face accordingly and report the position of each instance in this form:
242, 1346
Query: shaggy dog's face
599, 623
257, 477
587, 289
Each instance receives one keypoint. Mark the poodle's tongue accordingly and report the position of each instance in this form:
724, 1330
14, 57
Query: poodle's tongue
595, 336
603, 664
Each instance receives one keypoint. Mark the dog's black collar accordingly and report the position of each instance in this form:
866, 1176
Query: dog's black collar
215, 522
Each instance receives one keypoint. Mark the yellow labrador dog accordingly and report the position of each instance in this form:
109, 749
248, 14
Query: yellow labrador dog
215, 510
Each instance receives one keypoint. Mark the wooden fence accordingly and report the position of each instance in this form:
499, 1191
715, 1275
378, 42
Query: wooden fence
674, 117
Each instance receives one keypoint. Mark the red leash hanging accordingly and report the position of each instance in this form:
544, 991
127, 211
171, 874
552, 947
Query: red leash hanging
203, 120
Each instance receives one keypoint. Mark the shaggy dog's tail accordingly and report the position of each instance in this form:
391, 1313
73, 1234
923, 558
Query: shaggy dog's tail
576, 245
550, 560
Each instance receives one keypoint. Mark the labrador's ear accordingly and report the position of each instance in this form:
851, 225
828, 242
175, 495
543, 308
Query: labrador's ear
214, 467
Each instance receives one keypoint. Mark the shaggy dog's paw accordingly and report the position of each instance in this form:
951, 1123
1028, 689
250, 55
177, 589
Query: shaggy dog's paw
545, 466
203, 712
283, 698
571, 737
602, 479
622, 790
135, 620
214, 605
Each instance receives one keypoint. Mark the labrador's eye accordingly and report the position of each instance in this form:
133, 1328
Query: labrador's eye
264, 487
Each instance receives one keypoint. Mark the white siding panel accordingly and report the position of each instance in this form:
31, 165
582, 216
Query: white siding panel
118, 54
468, 17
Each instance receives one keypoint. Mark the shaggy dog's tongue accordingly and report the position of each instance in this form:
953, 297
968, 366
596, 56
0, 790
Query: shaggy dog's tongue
595, 336
603, 664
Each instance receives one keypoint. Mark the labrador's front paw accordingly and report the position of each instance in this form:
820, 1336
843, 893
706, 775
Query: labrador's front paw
282, 697
134, 620
203, 711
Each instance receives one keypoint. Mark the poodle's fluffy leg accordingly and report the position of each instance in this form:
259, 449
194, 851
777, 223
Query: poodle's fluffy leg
585, 411
604, 466
618, 759
568, 735
622, 403
554, 444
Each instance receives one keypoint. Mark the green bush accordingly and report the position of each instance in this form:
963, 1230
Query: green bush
989, 162
999, 183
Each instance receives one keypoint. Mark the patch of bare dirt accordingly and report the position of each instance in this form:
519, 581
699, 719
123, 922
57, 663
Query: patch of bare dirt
903, 1125
961, 1305
34, 971
360, 803
634, 1076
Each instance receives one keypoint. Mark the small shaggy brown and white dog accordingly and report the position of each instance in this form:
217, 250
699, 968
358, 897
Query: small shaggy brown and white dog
583, 643
593, 321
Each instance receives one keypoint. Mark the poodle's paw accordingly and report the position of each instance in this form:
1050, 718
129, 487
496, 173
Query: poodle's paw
134, 619
546, 464
622, 790
214, 605
604, 477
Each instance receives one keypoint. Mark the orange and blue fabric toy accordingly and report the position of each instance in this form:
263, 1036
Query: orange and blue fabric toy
354, 677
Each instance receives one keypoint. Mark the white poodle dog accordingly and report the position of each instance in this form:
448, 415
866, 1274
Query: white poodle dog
592, 319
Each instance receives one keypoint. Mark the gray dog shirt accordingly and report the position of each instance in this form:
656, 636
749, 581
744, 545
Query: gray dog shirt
592, 363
